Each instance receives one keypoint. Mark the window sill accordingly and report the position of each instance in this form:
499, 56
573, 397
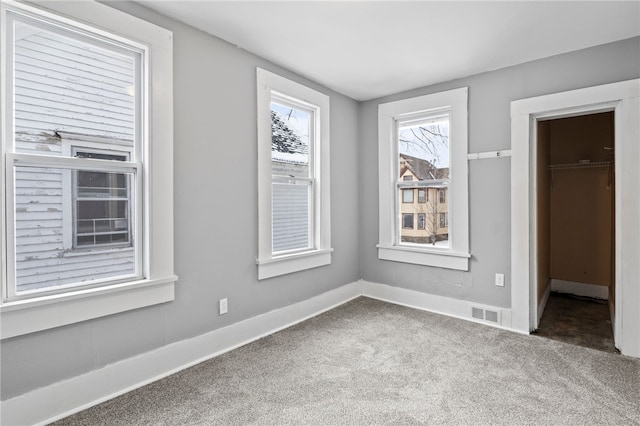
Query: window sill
428, 257
287, 264
42, 313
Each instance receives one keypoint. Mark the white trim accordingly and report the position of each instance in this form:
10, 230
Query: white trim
543, 303
489, 154
270, 265
156, 132
448, 306
36, 160
418, 256
37, 314
281, 265
612, 312
580, 289
622, 98
455, 102
53, 402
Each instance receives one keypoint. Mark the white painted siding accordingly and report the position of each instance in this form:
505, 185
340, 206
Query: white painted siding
68, 85
64, 85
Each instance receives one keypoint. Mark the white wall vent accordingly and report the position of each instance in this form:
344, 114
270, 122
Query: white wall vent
487, 314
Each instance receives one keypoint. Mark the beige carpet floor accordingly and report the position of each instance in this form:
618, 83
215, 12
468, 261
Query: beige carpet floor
370, 362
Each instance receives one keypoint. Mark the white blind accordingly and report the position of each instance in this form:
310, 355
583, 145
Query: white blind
290, 216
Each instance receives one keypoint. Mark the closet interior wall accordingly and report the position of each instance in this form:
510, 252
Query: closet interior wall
576, 182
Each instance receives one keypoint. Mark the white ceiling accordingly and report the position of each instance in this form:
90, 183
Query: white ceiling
367, 49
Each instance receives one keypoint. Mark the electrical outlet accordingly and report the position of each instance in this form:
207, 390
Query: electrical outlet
223, 306
500, 280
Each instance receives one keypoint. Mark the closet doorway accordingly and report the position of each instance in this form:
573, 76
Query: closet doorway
575, 214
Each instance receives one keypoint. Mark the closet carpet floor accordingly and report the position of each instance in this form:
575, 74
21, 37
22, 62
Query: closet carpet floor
578, 320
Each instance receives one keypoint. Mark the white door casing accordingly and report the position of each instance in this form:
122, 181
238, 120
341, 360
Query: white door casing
622, 98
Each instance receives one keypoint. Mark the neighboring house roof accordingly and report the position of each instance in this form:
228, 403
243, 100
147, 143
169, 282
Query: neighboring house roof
422, 169
286, 146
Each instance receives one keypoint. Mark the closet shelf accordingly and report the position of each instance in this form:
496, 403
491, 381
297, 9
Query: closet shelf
585, 165
580, 165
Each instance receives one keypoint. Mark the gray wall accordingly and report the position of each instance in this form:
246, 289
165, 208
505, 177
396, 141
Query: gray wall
490, 95
215, 220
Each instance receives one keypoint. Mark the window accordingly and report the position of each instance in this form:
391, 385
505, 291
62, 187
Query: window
102, 203
407, 178
80, 182
444, 221
407, 220
292, 126
293, 171
407, 195
421, 220
427, 137
422, 195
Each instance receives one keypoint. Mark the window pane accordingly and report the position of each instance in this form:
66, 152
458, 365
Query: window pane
407, 195
103, 218
44, 228
421, 220
101, 185
69, 83
290, 216
102, 208
423, 148
422, 195
291, 133
407, 220
444, 220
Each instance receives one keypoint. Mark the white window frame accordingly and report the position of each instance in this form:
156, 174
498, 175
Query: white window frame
270, 85
156, 283
456, 255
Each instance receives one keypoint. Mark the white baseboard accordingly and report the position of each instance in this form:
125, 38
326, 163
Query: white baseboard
543, 303
437, 304
580, 289
56, 401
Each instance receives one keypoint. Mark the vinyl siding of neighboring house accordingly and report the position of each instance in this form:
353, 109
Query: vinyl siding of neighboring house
64, 85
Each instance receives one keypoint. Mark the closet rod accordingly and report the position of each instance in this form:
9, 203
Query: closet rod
584, 165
